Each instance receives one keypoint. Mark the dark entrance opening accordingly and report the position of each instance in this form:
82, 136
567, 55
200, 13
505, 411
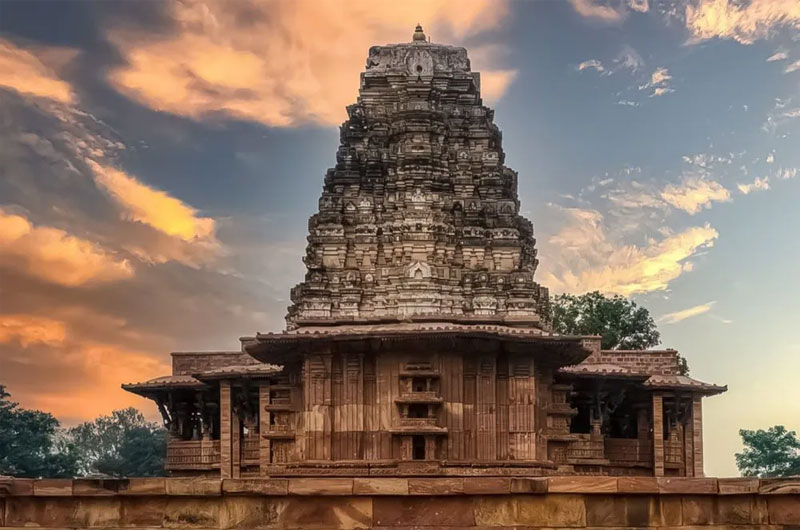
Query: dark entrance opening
418, 447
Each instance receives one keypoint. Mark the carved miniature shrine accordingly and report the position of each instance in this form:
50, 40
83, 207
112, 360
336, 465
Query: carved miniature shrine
418, 343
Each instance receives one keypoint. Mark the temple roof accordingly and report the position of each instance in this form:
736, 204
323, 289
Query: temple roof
602, 369
164, 383
279, 347
241, 370
683, 382
196, 381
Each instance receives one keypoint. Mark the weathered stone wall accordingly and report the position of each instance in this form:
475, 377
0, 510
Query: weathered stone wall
190, 363
339, 503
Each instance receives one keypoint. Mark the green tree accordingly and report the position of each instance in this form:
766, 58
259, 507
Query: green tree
121, 444
621, 324
774, 452
30, 443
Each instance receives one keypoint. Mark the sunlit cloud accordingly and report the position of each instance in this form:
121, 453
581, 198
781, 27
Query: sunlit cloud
792, 67
23, 71
597, 10
151, 206
583, 257
659, 82
779, 55
678, 316
694, 194
591, 64
744, 22
55, 256
283, 63
31, 329
758, 184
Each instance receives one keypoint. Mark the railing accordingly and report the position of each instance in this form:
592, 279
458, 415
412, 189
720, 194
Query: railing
250, 449
629, 450
673, 452
586, 447
192, 454
418, 422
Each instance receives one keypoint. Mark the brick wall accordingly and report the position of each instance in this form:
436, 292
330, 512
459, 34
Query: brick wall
663, 362
188, 363
395, 503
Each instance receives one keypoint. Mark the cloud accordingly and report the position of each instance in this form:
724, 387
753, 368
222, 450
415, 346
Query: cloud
597, 10
641, 6
659, 82
55, 256
152, 207
495, 83
31, 329
23, 71
779, 55
694, 194
759, 184
592, 64
677, 316
744, 22
282, 63
34, 348
792, 67
583, 257
629, 59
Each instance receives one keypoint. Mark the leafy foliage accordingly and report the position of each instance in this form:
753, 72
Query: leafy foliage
30, 445
774, 452
621, 324
121, 444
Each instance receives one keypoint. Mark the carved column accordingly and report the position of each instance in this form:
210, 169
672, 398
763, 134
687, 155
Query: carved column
658, 435
697, 435
225, 446
236, 440
263, 427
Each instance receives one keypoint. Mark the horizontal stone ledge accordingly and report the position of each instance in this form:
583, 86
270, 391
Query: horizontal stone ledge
402, 486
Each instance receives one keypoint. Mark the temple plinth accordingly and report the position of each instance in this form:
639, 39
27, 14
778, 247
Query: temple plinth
418, 342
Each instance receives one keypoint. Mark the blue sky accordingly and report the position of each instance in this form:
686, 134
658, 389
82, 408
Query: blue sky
159, 161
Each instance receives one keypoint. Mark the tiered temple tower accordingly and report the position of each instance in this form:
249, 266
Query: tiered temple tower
420, 217
418, 342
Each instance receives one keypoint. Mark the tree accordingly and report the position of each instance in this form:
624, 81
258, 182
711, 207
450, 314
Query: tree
122, 444
774, 452
30, 443
621, 324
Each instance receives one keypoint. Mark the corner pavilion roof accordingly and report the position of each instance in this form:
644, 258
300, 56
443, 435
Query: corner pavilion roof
655, 381
196, 381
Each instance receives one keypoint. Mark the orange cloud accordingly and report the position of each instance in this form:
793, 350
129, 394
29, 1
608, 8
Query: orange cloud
153, 207
694, 194
581, 257
55, 256
744, 22
23, 71
31, 329
283, 62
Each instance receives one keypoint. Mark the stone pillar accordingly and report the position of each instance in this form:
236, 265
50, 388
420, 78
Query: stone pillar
263, 427
225, 448
697, 435
658, 435
236, 442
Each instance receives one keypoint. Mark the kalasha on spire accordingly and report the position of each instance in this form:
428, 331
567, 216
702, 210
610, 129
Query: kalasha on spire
419, 219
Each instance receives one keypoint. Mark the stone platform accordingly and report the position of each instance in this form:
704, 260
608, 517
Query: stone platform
337, 503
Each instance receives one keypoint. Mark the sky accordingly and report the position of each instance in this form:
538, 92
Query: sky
159, 162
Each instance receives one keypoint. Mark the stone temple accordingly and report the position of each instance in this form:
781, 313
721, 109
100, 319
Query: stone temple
418, 343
